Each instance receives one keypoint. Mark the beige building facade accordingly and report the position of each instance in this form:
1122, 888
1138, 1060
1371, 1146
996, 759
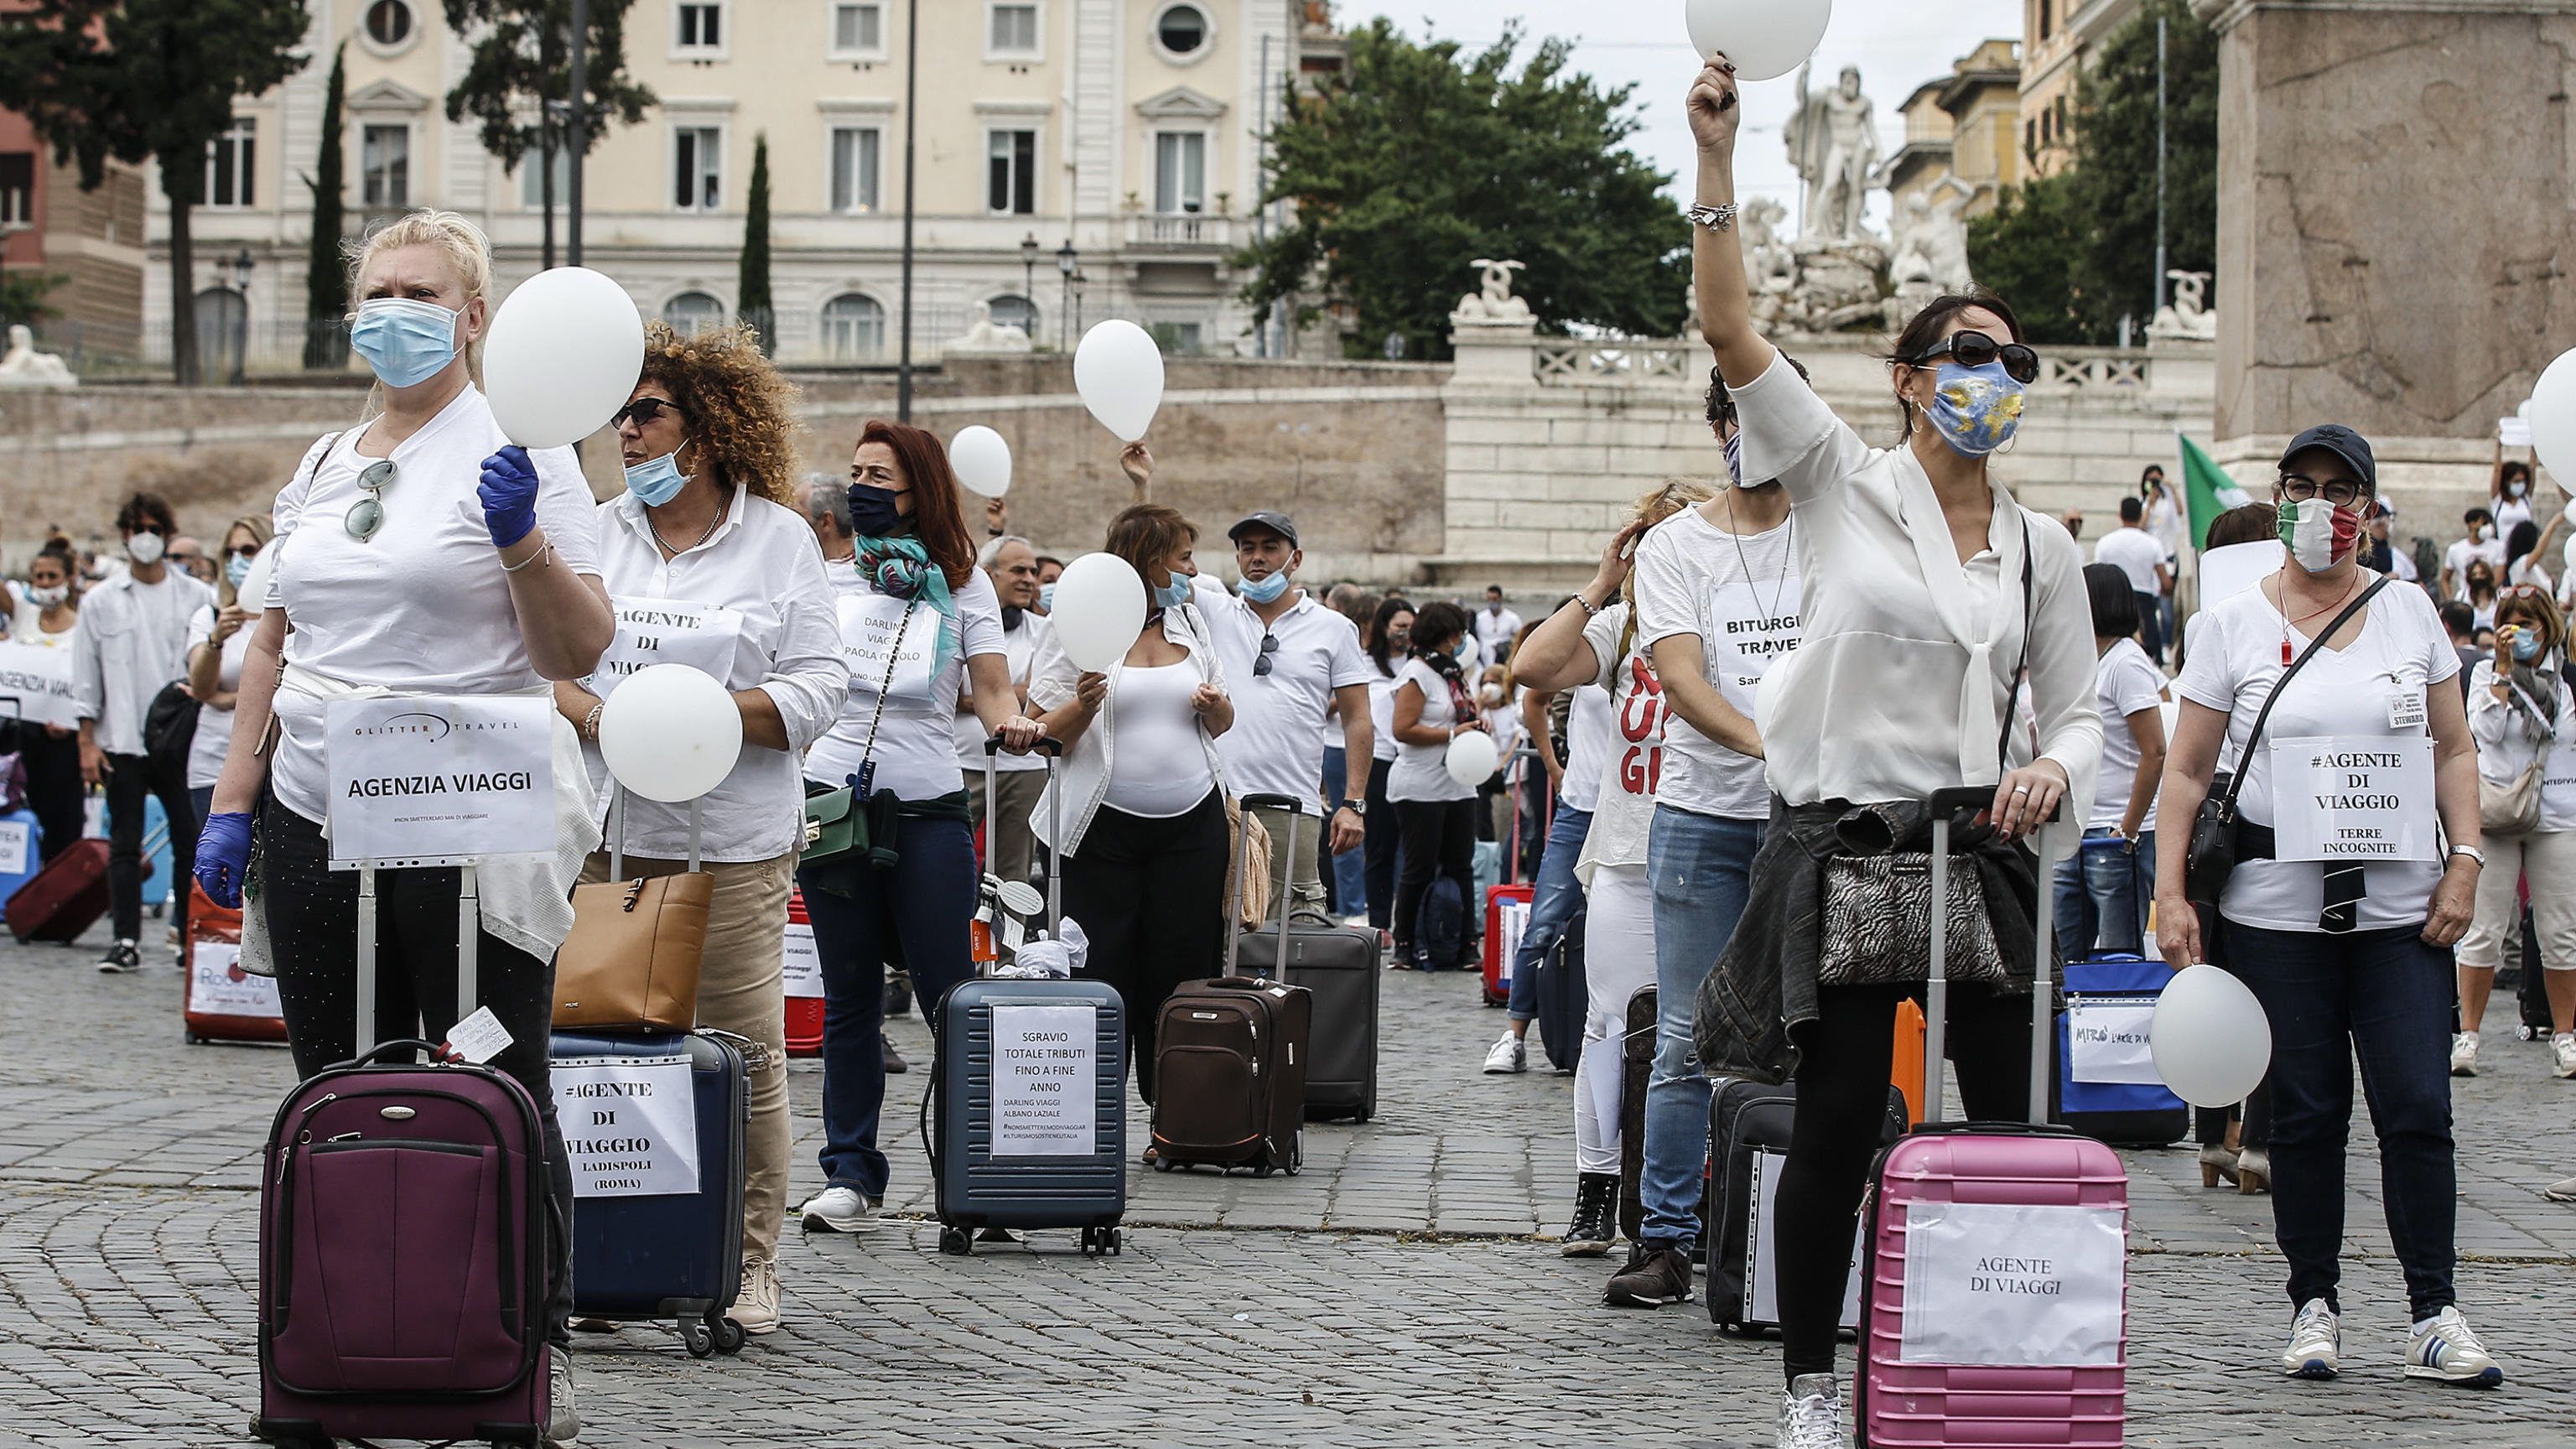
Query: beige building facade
1962, 127
2058, 41
1075, 160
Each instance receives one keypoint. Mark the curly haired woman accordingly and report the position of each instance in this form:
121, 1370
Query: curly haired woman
710, 563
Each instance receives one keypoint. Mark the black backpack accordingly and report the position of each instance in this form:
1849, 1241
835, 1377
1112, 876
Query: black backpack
1440, 930
170, 729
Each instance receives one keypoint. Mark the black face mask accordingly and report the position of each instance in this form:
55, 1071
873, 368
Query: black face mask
1011, 616
873, 511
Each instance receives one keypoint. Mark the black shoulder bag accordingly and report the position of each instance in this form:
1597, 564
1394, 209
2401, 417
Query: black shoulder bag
2211, 858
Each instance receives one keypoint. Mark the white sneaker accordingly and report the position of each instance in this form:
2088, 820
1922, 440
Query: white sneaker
1811, 1413
755, 1308
2445, 1349
2562, 1052
2316, 1343
2464, 1054
838, 1210
563, 1411
1511, 1054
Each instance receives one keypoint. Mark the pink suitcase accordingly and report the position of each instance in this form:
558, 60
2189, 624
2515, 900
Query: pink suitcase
1907, 1396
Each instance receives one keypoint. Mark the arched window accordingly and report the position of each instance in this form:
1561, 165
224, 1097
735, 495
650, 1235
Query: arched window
854, 328
1013, 310
691, 313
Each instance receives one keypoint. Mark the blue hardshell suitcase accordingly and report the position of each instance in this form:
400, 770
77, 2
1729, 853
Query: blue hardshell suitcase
672, 1256
2121, 1113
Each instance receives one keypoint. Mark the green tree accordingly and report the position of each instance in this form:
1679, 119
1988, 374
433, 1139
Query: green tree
2020, 251
755, 305
326, 271
147, 80
520, 72
1418, 159
22, 298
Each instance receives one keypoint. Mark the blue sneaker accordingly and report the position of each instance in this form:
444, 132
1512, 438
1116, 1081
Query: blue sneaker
2445, 1349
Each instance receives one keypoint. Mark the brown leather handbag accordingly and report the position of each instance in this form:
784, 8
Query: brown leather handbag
631, 961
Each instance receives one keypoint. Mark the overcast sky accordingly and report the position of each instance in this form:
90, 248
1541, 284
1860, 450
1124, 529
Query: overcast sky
1898, 44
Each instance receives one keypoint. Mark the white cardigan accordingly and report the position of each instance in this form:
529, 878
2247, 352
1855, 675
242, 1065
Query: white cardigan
1907, 657
1084, 778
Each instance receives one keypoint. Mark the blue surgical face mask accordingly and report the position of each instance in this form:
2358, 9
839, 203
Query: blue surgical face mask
1735, 457
1046, 596
2526, 645
1175, 593
1975, 409
406, 342
1466, 650
1264, 590
657, 481
236, 569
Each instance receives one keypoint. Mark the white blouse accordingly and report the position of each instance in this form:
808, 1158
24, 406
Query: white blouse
1908, 658
1084, 776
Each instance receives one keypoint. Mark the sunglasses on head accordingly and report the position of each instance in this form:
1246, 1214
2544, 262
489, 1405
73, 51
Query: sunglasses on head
645, 411
1976, 349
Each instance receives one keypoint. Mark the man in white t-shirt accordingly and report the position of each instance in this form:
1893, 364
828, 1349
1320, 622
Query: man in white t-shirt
1288, 660
2135, 552
2479, 540
1010, 847
1496, 627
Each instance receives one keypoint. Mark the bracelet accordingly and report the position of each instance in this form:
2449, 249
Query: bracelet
1716, 218
544, 554
2472, 852
1590, 609
590, 722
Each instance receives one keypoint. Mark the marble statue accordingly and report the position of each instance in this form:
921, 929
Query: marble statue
2187, 318
1493, 304
1932, 240
24, 366
988, 335
1833, 144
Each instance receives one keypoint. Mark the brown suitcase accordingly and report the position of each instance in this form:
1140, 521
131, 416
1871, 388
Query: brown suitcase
65, 898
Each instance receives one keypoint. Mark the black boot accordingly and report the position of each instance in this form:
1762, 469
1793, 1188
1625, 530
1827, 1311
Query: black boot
1596, 1215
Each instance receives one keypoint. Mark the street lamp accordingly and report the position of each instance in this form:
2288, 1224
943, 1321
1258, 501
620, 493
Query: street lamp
1029, 275
1078, 280
242, 264
1066, 259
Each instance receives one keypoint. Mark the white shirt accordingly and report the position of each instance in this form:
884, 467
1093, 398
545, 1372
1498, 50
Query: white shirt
1019, 651
1381, 688
2456, 559
1084, 777
2507, 741
2136, 553
1588, 735
1275, 747
2508, 512
1739, 595
215, 726
916, 742
1899, 683
1421, 772
762, 567
1166, 773
2344, 693
2528, 570
1634, 758
1494, 633
132, 640
2166, 522
2125, 682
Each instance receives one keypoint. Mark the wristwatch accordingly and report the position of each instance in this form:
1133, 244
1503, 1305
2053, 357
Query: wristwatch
2472, 852
1357, 807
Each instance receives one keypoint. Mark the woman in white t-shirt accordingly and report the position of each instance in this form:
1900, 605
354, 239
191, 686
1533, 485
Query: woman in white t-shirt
2345, 900
421, 553
2522, 713
708, 567
1434, 814
45, 616
920, 628
1143, 827
217, 644
2526, 553
2510, 500
2104, 890
1390, 643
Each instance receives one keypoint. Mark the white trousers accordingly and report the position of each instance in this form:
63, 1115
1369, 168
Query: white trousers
2547, 858
1618, 961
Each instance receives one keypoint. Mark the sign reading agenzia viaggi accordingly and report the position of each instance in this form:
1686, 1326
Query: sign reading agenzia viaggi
445, 780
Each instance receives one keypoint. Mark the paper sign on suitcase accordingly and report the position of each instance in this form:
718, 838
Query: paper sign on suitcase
630, 1125
2010, 1285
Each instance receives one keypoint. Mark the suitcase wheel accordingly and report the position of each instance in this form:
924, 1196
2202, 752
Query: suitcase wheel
700, 1339
955, 1242
1103, 1241
1162, 1164
729, 1335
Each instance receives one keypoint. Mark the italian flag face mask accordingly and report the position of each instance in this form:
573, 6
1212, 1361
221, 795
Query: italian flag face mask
2318, 534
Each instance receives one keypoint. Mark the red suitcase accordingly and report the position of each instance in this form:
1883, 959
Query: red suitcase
803, 978
222, 1002
1498, 961
66, 898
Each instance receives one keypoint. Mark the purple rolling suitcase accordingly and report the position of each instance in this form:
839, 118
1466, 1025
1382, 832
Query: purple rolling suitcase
403, 1242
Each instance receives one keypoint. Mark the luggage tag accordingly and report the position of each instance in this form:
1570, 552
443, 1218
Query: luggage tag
478, 1038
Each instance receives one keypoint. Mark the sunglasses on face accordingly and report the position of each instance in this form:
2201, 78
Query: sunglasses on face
243, 550
2340, 492
1976, 349
645, 411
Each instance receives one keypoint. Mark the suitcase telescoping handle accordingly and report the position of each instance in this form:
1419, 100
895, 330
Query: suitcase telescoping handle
1053, 750
1243, 870
1943, 804
469, 940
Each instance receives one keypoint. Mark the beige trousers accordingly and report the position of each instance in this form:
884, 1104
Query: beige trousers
1010, 846
740, 991
2548, 859
1299, 868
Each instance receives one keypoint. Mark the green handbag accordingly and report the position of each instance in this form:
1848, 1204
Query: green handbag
836, 829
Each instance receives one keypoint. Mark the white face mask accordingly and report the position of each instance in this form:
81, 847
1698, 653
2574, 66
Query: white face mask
145, 548
49, 598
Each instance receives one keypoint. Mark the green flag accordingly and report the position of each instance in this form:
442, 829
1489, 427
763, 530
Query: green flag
2207, 486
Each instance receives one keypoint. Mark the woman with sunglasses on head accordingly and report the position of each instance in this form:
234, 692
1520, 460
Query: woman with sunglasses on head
421, 553
2524, 718
710, 564
218, 641
2344, 899
1925, 589
921, 628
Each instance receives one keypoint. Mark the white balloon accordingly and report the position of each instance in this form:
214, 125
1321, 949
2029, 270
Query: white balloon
1099, 608
2552, 414
253, 593
563, 356
1472, 758
670, 732
982, 461
2210, 1039
1119, 372
1766, 39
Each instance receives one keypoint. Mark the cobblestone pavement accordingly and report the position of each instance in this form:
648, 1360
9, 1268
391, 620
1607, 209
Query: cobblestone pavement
1390, 1295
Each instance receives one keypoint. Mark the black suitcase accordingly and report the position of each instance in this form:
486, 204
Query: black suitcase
1339, 966
1636, 1068
1748, 1142
2531, 993
1563, 997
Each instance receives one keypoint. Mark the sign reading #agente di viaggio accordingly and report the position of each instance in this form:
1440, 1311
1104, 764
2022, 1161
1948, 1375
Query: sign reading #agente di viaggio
440, 781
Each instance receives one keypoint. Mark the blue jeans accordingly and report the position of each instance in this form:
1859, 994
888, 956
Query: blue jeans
2387, 997
1349, 878
1554, 898
2102, 895
1701, 867
915, 913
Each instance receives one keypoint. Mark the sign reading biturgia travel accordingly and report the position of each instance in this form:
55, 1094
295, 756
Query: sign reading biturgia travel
449, 780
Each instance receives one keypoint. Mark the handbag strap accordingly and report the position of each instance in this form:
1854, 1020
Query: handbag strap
2029, 615
2236, 782
894, 657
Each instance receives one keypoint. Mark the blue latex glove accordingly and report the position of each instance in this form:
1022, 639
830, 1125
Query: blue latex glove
223, 857
509, 493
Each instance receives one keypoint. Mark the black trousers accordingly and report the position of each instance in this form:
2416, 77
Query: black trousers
129, 779
1150, 893
54, 789
313, 931
1846, 1054
1439, 838
1382, 846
